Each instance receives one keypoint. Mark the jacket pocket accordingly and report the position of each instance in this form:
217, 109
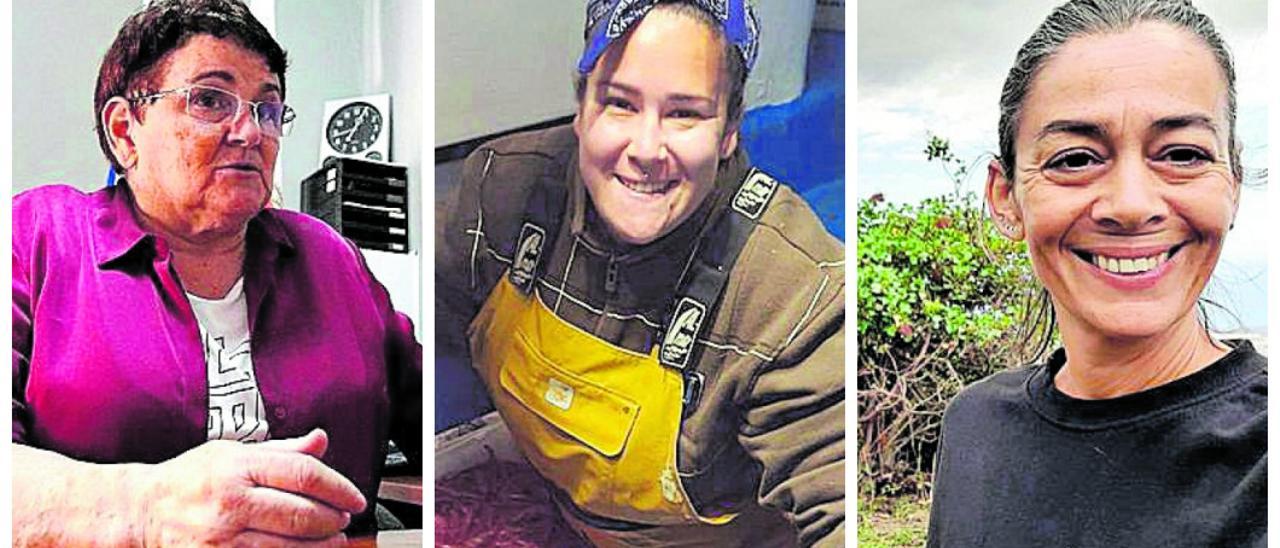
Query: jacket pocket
588, 412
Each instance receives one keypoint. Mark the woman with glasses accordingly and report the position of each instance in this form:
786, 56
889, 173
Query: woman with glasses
189, 365
659, 323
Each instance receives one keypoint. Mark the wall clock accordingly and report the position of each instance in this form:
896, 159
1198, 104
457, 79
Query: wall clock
357, 127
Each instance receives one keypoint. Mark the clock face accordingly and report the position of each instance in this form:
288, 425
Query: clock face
354, 128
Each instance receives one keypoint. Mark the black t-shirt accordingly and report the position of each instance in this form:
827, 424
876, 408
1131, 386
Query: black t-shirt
1184, 464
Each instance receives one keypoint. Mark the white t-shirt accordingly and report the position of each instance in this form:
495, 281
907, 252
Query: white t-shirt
235, 404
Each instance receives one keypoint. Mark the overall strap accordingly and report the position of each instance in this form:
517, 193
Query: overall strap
701, 286
544, 210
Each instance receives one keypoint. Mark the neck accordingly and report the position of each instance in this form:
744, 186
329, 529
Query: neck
207, 263
209, 274
1106, 367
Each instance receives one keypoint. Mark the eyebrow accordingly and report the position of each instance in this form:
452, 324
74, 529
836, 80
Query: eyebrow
1097, 131
227, 77
1170, 123
675, 97
1073, 127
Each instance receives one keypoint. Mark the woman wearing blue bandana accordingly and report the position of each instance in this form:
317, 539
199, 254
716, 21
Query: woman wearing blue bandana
660, 325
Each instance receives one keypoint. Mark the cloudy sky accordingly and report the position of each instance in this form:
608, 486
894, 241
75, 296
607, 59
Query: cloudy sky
929, 66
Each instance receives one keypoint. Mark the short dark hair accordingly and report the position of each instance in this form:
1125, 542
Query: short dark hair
735, 67
146, 37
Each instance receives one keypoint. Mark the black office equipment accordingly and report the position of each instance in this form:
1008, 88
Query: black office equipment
367, 202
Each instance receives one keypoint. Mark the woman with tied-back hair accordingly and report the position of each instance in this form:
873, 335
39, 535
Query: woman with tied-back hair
1119, 167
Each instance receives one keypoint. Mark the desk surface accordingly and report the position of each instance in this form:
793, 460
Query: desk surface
389, 539
401, 489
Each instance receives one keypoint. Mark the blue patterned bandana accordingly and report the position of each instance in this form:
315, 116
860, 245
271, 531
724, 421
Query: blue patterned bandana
609, 20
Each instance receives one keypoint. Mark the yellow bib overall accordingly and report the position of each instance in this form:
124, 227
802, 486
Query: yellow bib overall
598, 421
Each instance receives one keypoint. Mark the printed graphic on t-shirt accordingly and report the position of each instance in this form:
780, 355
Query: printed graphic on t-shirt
235, 405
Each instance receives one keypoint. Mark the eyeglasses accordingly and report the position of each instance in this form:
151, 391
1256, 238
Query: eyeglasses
213, 105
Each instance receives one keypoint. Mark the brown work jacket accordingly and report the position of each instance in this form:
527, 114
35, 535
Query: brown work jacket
769, 429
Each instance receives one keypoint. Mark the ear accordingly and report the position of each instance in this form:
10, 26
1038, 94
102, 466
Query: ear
118, 121
582, 91
1002, 202
1236, 190
1235, 206
1237, 182
729, 143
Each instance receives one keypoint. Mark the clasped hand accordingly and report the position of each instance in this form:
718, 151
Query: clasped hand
273, 493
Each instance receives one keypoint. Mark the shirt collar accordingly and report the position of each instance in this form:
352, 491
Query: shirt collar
117, 233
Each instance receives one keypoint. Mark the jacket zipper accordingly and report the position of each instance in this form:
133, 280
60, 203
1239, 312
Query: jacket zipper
611, 277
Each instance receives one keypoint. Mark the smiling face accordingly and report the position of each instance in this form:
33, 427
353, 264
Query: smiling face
652, 126
1123, 188
195, 178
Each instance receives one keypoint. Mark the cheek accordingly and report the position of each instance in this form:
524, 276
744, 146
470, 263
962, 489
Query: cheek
1208, 208
269, 154
1048, 212
1048, 216
196, 149
602, 145
697, 151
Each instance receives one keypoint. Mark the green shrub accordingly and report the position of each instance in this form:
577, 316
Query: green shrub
940, 297
900, 522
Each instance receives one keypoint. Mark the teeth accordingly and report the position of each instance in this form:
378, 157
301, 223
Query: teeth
647, 187
1129, 265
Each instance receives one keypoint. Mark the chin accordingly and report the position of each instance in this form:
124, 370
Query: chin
637, 237
633, 229
1135, 321
237, 214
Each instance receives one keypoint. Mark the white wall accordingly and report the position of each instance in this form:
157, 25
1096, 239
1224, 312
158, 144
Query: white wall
326, 45
57, 47
345, 49
778, 76
503, 65
351, 48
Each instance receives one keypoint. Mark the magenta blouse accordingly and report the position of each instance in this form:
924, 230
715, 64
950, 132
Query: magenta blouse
107, 360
